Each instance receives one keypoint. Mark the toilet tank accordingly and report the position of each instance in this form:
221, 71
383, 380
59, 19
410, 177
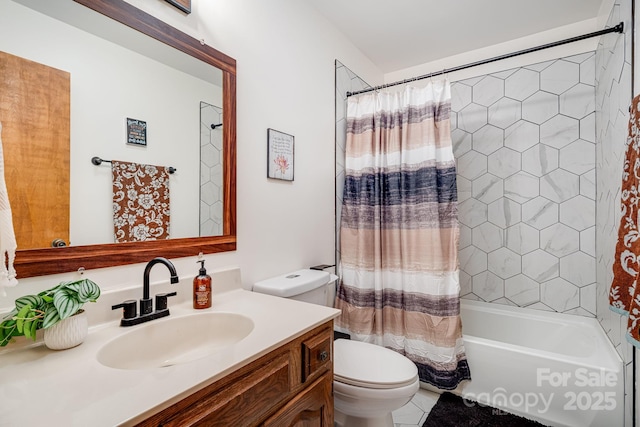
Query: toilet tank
303, 285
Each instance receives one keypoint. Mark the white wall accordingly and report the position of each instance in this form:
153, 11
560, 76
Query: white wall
285, 56
534, 40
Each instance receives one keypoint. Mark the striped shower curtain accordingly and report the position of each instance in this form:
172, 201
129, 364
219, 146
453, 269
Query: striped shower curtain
399, 231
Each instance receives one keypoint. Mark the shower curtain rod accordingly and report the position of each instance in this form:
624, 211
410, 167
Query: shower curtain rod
617, 29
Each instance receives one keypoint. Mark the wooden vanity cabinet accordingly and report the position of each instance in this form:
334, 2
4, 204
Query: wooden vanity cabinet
311, 408
290, 386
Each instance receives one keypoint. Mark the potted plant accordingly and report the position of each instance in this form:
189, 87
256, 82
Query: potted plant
51, 310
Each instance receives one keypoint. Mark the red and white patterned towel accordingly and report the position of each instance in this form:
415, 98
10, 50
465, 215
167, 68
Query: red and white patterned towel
624, 295
140, 202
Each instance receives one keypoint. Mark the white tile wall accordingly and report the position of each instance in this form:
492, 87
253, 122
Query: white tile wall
531, 167
612, 100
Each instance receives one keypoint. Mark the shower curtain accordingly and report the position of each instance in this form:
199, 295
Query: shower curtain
399, 231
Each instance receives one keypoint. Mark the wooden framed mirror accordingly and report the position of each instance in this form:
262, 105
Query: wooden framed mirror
45, 261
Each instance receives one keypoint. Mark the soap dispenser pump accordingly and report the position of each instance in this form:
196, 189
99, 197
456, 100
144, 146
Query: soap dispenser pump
202, 288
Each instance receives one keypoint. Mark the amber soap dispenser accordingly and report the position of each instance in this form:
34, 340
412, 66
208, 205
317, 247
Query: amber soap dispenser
202, 288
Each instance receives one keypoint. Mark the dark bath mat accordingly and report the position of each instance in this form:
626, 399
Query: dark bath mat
451, 411
337, 335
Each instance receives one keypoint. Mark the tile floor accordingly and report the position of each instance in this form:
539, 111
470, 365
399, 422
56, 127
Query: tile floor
414, 413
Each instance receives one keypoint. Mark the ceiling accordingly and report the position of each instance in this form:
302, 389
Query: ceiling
403, 33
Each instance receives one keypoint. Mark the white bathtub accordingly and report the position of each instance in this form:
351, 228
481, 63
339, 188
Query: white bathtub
558, 369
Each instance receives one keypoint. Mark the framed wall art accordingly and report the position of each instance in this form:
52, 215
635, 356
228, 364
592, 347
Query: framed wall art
280, 149
136, 132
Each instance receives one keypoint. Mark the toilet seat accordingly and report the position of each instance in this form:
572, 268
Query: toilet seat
371, 366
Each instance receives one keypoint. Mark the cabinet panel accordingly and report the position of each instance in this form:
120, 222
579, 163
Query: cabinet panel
316, 355
251, 396
311, 408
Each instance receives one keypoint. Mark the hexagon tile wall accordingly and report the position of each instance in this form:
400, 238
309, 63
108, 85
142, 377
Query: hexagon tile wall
210, 171
524, 140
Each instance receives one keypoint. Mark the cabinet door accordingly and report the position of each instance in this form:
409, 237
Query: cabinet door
242, 403
35, 102
311, 408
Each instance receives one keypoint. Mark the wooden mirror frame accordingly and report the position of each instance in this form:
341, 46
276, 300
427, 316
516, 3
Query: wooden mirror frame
39, 262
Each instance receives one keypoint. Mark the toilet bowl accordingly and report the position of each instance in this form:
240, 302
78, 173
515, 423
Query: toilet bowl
370, 381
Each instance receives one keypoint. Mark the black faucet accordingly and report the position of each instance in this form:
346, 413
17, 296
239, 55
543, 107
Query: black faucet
130, 316
146, 303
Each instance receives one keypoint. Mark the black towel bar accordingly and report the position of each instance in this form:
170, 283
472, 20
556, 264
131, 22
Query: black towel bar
98, 161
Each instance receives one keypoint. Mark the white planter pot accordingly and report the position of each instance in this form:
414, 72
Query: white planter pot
67, 333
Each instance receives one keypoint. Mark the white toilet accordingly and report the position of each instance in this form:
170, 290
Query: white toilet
369, 381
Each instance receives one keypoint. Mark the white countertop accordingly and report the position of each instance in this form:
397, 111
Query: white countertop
39, 386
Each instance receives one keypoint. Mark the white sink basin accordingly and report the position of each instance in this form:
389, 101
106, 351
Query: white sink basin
174, 340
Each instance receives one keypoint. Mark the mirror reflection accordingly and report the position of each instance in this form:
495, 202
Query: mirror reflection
115, 75
211, 212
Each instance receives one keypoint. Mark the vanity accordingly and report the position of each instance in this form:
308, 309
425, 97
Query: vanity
280, 374
290, 386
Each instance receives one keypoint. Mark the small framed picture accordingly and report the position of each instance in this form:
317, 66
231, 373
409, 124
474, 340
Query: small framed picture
136, 132
183, 5
279, 155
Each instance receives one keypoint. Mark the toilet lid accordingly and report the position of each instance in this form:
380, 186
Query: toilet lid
372, 366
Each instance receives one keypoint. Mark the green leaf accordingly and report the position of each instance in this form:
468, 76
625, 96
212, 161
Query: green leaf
15, 333
26, 328
50, 318
3, 331
88, 291
20, 317
9, 329
34, 328
66, 302
32, 300
74, 286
